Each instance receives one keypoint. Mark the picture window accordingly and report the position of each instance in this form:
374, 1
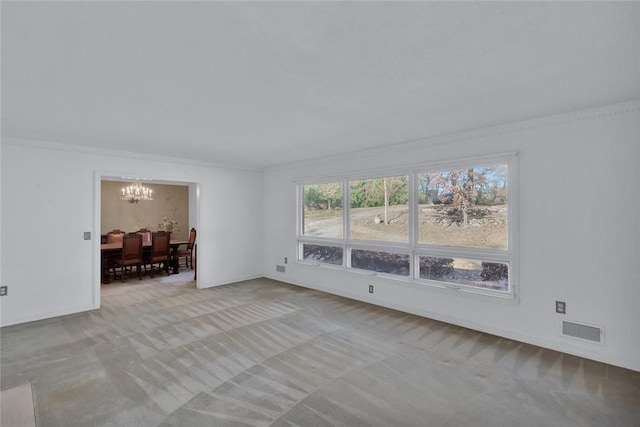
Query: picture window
445, 226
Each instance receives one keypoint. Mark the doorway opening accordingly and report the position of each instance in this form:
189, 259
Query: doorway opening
174, 208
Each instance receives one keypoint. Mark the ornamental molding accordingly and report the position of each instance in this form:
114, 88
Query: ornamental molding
556, 120
529, 125
104, 153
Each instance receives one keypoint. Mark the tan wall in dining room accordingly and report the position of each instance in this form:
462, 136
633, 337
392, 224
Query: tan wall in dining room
171, 201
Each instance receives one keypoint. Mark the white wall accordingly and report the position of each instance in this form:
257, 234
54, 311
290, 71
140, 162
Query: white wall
49, 198
578, 231
1, 232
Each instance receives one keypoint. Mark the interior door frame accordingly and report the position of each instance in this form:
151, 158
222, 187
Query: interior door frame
101, 175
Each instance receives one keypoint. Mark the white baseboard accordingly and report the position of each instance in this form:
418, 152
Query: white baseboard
229, 281
45, 315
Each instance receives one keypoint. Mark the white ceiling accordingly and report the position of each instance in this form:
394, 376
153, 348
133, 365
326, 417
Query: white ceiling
262, 84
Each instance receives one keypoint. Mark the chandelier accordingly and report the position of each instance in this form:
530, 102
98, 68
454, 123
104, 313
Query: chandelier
136, 192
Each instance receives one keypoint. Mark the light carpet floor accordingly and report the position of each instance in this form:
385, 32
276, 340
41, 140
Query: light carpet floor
264, 353
16, 407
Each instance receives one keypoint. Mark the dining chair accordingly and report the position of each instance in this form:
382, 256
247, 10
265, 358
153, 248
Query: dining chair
146, 235
146, 242
160, 251
188, 252
115, 236
131, 255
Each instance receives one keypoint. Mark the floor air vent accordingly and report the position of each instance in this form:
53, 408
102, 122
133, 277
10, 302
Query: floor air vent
584, 332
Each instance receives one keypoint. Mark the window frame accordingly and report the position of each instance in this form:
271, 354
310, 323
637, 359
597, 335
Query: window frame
413, 247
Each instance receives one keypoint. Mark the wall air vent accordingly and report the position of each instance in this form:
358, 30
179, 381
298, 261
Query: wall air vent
280, 268
584, 332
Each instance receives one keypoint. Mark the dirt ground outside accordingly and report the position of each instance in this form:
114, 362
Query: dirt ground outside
433, 227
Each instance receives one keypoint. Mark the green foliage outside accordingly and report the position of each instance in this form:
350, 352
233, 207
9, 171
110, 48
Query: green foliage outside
460, 187
323, 196
367, 193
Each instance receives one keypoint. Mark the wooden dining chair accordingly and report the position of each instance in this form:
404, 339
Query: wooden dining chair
131, 255
146, 243
160, 251
115, 236
188, 252
146, 235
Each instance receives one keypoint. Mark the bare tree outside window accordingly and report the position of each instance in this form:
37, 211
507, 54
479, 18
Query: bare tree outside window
464, 207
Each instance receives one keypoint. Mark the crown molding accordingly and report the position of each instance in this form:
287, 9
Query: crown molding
104, 153
556, 120
528, 125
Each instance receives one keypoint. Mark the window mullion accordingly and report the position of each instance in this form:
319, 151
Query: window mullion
346, 208
480, 245
413, 222
346, 211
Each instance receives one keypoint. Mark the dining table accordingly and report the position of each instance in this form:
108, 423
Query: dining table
114, 250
